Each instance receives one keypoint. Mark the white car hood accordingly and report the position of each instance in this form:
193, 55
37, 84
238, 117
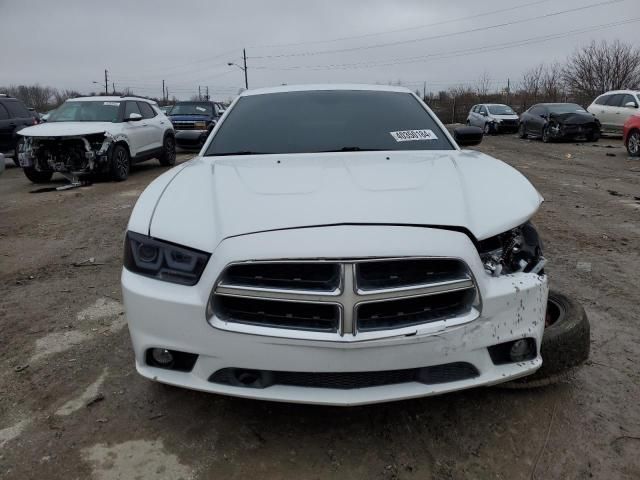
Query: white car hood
506, 117
214, 198
65, 129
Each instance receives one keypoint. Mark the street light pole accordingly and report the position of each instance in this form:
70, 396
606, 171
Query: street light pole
244, 69
244, 56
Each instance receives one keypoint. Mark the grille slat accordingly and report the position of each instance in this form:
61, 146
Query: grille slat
413, 311
407, 273
295, 276
278, 314
449, 372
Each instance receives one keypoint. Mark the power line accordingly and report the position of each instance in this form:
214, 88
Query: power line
455, 53
434, 37
406, 29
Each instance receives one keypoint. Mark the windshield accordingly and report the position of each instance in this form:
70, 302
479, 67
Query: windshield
500, 110
86, 111
327, 121
566, 108
191, 109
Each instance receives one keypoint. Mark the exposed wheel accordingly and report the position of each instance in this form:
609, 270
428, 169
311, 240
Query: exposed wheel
120, 163
594, 136
565, 343
546, 137
37, 176
522, 132
16, 150
633, 144
487, 128
168, 156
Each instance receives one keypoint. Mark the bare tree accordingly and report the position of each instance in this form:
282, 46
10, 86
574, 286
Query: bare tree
531, 83
61, 96
552, 83
483, 85
603, 66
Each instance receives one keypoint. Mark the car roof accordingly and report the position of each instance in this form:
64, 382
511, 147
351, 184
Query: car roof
325, 87
110, 98
637, 92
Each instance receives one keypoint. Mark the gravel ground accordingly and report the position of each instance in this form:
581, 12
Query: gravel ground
72, 406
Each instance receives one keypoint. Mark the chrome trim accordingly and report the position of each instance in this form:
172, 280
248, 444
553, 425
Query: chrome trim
348, 297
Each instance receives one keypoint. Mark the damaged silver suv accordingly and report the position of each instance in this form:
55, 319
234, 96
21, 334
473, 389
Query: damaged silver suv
96, 135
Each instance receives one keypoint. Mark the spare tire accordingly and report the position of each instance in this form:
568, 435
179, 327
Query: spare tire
565, 343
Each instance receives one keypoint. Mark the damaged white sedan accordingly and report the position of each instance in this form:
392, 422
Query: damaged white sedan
334, 245
96, 135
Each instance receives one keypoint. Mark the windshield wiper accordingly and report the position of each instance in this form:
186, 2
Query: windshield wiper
353, 149
225, 154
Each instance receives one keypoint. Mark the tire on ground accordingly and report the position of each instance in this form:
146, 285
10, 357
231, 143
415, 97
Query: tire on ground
168, 155
565, 343
36, 176
120, 163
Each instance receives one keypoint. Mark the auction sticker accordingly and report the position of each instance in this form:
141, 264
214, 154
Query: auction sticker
413, 135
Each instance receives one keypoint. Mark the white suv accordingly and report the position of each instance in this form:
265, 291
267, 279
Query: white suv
614, 108
96, 134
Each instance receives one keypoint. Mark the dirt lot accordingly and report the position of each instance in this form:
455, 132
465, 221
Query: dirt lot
72, 406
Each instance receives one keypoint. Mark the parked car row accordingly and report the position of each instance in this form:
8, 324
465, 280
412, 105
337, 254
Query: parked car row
616, 112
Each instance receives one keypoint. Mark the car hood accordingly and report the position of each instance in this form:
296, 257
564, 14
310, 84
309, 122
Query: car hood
65, 129
183, 118
506, 117
213, 198
574, 118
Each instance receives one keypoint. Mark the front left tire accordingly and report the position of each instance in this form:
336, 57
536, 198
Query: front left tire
120, 163
37, 176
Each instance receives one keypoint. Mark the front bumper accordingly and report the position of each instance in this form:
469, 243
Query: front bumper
173, 317
191, 138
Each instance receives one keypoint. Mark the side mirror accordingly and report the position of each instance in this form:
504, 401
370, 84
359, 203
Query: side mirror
631, 105
467, 136
484, 114
134, 117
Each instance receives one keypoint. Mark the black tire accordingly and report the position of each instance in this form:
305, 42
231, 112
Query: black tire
120, 163
522, 131
36, 176
488, 129
633, 143
594, 136
168, 156
565, 343
546, 138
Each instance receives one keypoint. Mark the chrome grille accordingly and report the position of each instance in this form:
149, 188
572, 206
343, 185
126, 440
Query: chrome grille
344, 297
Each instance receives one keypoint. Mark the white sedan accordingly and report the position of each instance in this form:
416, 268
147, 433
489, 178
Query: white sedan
334, 245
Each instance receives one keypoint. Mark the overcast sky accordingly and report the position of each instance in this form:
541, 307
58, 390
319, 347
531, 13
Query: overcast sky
69, 43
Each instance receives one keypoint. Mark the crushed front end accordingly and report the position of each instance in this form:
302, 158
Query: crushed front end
74, 155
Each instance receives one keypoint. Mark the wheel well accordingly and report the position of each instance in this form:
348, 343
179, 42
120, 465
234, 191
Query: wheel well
124, 144
632, 131
169, 133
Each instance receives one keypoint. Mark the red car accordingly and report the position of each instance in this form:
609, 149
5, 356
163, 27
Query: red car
631, 134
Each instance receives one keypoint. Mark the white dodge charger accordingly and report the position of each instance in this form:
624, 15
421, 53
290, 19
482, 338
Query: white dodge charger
334, 245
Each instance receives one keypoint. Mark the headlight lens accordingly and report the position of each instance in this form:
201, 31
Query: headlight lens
200, 125
517, 250
163, 261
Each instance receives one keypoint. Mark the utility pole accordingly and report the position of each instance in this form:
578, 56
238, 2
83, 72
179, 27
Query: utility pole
424, 92
163, 97
113, 87
244, 57
199, 94
207, 97
508, 89
106, 82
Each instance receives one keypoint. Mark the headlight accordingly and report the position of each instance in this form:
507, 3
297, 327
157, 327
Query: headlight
163, 261
200, 125
497, 120
517, 250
